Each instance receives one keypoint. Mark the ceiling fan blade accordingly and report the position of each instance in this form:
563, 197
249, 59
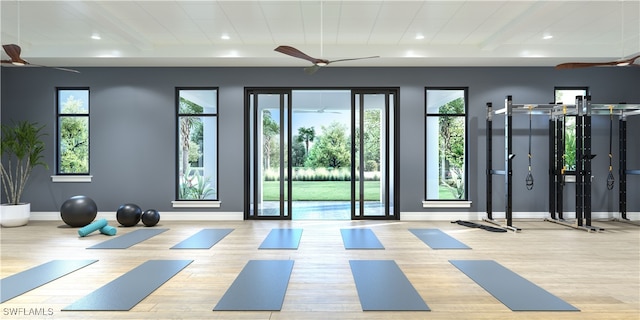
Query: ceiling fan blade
13, 51
312, 69
317, 63
621, 63
351, 59
575, 65
64, 69
291, 51
631, 60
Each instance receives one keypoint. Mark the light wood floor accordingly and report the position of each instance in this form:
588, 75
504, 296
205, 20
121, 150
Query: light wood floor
599, 273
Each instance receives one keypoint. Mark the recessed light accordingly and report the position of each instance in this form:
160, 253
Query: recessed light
225, 37
419, 36
96, 36
547, 37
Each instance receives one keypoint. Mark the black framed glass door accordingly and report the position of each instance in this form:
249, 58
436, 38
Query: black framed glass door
373, 180
320, 154
269, 189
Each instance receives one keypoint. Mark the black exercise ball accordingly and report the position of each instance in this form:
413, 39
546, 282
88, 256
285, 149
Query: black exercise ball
78, 211
150, 217
128, 215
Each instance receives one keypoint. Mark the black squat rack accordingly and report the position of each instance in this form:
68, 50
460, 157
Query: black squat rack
582, 110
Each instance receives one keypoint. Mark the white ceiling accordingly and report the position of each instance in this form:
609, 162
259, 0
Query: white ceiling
189, 33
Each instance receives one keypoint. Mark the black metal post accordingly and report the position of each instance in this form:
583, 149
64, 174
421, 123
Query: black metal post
552, 170
579, 162
508, 156
586, 144
489, 161
560, 170
586, 197
622, 136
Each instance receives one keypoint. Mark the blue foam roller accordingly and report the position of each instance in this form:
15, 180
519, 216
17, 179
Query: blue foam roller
93, 226
108, 230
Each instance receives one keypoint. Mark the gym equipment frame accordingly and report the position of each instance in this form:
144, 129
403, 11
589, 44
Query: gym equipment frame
622, 111
557, 171
582, 111
508, 111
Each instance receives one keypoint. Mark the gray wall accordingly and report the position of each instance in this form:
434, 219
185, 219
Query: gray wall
133, 127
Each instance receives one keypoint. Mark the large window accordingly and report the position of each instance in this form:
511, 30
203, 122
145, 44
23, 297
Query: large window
446, 163
197, 162
72, 131
567, 95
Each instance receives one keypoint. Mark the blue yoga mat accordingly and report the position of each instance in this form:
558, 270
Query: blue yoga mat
382, 286
126, 291
360, 238
204, 239
19, 283
260, 286
282, 239
129, 239
514, 291
436, 239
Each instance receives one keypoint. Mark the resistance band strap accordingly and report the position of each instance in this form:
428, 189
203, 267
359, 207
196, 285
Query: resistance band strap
610, 179
529, 179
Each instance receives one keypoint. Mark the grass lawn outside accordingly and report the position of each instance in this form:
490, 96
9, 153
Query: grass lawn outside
445, 193
321, 190
331, 191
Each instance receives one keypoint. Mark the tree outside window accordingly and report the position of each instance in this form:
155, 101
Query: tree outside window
73, 131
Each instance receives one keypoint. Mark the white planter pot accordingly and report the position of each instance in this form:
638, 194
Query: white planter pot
12, 215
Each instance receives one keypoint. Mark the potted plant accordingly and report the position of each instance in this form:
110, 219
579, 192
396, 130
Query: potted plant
21, 148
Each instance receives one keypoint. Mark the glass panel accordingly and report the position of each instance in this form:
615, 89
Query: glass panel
284, 155
73, 101
390, 169
269, 154
197, 158
356, 174
568, 96
450, 159
252, 173
373, 153
440, 102
445, 145
73, 139
198, 101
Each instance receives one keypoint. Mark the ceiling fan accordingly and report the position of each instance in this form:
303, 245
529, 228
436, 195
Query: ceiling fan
13, 51
617, 63
317, 62
321, 110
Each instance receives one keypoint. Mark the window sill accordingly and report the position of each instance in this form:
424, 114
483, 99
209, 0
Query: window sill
72, 178
446, 204
195, 204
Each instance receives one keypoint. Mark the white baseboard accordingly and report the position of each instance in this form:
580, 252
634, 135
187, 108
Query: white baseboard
405, 216
452, 216
440, 216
